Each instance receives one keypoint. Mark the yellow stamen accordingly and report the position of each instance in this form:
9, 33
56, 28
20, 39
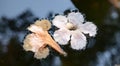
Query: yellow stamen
70, 26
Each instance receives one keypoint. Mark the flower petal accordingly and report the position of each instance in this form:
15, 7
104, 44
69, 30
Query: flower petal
32, 43
44, 24
49, 41
89, 28
62, 36
75, 18
78, 40
35, 29
59, 21
42, 53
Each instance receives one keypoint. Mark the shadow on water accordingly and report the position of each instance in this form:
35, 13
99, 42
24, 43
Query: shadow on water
103, 50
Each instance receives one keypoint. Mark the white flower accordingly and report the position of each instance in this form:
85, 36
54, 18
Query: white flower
71, 27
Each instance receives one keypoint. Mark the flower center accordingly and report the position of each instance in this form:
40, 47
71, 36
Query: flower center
70, 26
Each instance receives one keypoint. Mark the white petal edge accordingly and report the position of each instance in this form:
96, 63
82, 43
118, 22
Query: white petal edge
78, 40
62, 36
88, 28
75, 18
35, 29
60, 21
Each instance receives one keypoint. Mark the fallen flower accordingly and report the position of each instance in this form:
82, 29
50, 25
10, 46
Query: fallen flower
39, 39
72, 28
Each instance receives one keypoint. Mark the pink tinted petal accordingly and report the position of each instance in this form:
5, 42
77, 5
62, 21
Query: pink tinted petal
43, 53
75, 18
34, 41
62, 36
89, 28
78, 40
59, 21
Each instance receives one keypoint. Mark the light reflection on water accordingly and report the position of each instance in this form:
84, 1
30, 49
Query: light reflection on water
103, 50
111, 55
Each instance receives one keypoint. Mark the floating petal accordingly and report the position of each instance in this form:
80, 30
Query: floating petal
88, 28
35, 29
44, 24
62, 36
75, 18
78, 40
59, 21
42, 53
32, 42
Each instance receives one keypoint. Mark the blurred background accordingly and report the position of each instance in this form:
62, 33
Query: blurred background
17, 15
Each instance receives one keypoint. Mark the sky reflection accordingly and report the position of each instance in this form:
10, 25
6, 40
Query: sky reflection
17, 15
40, 8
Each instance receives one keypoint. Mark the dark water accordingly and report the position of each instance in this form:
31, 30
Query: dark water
103, 50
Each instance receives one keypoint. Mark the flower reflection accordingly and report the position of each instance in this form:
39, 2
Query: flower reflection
73, 27
38, 40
